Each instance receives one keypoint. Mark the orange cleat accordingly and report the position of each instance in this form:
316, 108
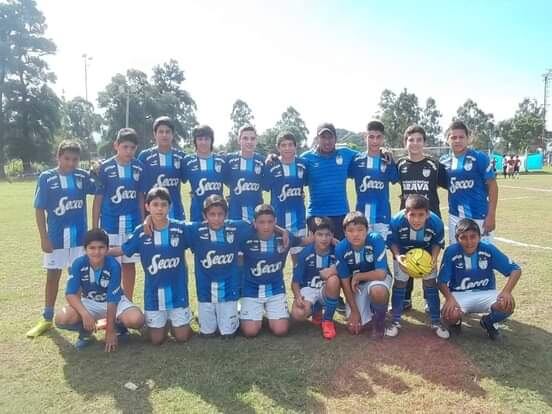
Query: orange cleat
328, 329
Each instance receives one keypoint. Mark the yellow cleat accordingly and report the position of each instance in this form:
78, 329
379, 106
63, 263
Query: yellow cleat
40, 328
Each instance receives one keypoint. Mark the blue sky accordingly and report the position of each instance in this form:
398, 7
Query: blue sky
329, 59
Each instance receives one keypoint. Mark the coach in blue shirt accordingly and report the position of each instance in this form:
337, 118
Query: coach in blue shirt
327, 168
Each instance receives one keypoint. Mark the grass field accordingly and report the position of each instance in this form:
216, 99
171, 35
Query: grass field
416, 372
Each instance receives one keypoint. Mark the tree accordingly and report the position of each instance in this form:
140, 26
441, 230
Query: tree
291, 121
354, 140
29, 108
525, 129
81, 122
266, 143
397, 113
430, 121
241, 115
481, 125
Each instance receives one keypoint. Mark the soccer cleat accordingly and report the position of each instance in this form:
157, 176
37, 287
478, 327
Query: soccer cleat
316, 318
101, 324
123, 335
494, 333
328, 329
440, 331
40, 328
456, 329
393, 330
83, 341
341, 308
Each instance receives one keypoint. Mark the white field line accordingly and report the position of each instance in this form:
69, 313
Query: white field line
520, 244
543, 190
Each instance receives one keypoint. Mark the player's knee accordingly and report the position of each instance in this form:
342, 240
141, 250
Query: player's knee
250, 330
500, 306
182, 334
280, 329
157, 340
379, 294
333, 286
66, 316
133, 319
298, 314
429, 283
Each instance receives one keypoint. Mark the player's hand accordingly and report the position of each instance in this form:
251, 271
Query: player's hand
94, 167
400, 260
386, 155
451, 310
505, 301
46, 246
354, 283
285, 239
271, 159
335, 241
353, 324
328, 272
299, 302
489, 224
89, 323
148, 226
111, 341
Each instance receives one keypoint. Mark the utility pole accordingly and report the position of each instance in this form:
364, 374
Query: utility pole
86, 59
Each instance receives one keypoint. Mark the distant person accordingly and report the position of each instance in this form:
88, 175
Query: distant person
511, 166
505, 166
517, 166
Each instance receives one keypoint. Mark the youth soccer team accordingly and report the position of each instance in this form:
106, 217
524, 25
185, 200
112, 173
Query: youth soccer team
240, 246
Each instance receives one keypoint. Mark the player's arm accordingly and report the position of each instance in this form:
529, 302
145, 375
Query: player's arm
376, 274
88, 322
111, 341
435, 251
297, 277
115, 251
450, 307
96, 208
141, 205
45, 244
492, 190
354, 318
505, 295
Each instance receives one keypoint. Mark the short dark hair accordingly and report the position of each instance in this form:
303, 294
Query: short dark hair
465, 225
158, 192
263, 209
286, 136
246, 128
96, 235
355, 217
413, 129
416, 202
163, 120
127, 134
326, 127
375, 126
215, 200
68, 145
203, 131
458, 125
320, 223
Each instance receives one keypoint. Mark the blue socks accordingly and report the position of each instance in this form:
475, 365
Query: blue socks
380, 310
48, 313
316, 308
397, 299
496, 316
433, 302
330, 306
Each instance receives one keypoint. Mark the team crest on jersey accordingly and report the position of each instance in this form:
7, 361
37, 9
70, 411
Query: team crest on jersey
383, 167
78, 182
230, 237
280, 246
339, 159
104, 282
404, 169
427, 238
177, 163
468, 165
426, 172
300, 172
257, 169
136, 175
174, 240
483, 263
218, 167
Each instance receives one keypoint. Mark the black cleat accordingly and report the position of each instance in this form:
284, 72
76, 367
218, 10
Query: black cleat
340, 306
494, 334
456, 329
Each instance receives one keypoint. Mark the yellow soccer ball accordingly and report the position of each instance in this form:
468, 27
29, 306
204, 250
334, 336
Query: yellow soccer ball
418, 263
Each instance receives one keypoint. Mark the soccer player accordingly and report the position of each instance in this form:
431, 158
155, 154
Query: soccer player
472, 188
285, 178
94, 292
467, 280
263, 289
517, 166
204, 170
372, 175
119, 203
362, 267
60, 211
416, 227
419, 174
244, 176
166, 275
164, 165
315, 280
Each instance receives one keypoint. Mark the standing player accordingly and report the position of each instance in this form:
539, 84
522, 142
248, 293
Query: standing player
362, 267
204, 170
517, 166
285, 179
166, 274
315, 280
472, 188
94, 292
164, 165
372, 175
119, 203
416, 227
244, 176
60, 210
467, 280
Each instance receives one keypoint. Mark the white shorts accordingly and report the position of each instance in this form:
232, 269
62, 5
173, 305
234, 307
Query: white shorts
275, 307
314, 295
476, 301
453, 221
381, 228
177, 316
117, 240
297, 249
403, 276
222, 316
362, 298
62, 258
99, 309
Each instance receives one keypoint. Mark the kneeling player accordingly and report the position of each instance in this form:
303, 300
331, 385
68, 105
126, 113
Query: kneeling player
467, 280
94, 292
315, 282
416, 227
362, 267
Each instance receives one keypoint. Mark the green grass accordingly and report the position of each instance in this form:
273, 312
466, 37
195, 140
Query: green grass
300, 373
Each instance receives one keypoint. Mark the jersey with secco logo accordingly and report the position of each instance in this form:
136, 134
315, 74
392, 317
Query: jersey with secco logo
372, 177
402, 235
206, 177
100, 285
306, 271
476, 272
327, 181
216, 259
244, 178
63, 197
165, 170
162, 257
370, 257
120, 185
285, 183
264, 262
467, 176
